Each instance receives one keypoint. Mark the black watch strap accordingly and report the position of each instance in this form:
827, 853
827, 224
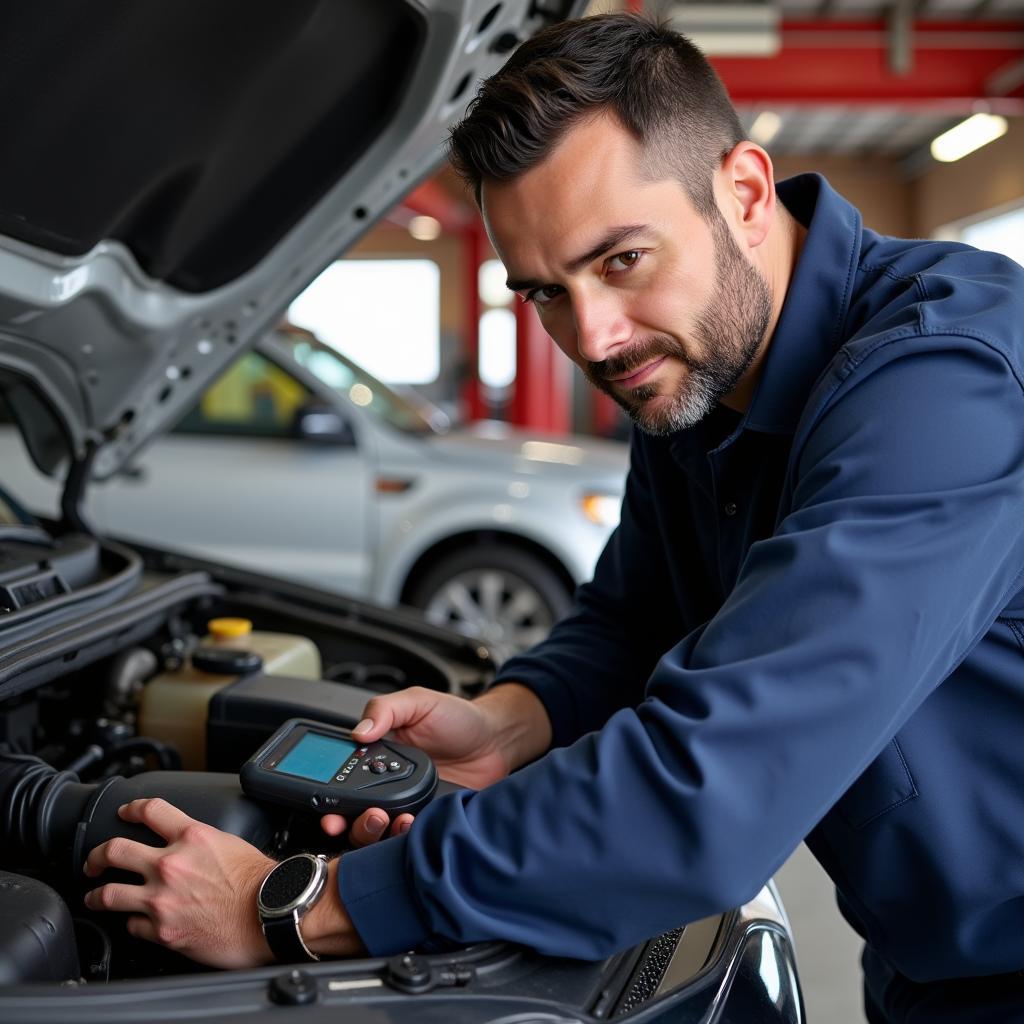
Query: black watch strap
285, 939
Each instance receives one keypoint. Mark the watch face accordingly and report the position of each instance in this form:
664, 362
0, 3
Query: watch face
287, 882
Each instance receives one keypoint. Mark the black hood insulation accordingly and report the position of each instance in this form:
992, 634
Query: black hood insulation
195, 133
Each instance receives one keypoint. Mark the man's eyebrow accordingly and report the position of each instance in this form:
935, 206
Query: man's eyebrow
615, 237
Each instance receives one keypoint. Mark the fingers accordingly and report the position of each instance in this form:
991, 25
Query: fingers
368, 827
392, 711
372, 825
160, 816
117, 896
141, 927
401, 824
333, 824
122, 853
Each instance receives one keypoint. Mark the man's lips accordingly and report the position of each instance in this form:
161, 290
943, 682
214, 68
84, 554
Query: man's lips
638, 377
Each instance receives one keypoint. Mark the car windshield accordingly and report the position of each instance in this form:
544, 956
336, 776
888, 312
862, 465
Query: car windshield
353, 381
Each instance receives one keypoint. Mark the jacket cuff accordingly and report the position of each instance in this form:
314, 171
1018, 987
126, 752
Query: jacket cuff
375, 892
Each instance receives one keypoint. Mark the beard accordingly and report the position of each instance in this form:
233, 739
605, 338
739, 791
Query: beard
729, 330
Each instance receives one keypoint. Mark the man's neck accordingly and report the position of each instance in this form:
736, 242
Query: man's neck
783, 246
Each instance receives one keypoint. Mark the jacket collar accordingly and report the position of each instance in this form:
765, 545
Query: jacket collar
810, 326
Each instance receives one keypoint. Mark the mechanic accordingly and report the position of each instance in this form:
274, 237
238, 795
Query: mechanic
809, 622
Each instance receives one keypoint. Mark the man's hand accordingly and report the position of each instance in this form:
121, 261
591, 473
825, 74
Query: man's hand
472, 743
199, 892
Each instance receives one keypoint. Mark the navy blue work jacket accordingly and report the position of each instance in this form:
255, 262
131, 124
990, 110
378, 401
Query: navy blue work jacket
809, 623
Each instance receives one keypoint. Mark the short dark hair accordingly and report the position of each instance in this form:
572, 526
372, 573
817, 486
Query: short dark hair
654, 80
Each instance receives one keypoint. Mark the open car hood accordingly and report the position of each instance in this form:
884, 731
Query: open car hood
175, 173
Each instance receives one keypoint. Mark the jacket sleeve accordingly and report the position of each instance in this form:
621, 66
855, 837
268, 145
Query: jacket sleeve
902, 543
598, 659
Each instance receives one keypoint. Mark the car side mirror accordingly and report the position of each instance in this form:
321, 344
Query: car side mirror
322, 424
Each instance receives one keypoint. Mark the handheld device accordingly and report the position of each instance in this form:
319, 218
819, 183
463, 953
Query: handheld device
321, 769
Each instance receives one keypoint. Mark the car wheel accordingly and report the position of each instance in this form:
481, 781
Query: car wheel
504, 597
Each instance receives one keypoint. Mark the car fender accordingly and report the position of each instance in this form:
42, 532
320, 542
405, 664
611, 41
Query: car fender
410, 531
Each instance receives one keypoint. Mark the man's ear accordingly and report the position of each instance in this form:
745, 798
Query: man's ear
747, 191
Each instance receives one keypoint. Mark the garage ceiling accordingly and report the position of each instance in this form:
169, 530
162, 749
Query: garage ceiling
861, 77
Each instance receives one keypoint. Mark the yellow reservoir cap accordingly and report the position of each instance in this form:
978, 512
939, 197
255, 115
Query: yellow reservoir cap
226, 629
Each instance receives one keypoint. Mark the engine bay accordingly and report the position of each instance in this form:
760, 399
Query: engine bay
157, 678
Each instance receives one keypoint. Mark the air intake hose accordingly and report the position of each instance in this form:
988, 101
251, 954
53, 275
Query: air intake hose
48, 814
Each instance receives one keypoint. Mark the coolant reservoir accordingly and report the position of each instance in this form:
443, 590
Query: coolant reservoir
174, 705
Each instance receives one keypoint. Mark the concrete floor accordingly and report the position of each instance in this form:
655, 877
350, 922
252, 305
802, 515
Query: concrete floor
827, 948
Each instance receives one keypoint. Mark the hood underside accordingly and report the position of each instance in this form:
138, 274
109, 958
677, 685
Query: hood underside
174, 174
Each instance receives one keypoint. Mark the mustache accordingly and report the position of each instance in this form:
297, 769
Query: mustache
628, 362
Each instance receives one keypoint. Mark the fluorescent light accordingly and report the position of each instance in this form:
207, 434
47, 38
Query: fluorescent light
735, 29
765, 127
425, 229
977, 131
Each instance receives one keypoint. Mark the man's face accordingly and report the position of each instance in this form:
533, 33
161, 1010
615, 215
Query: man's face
658, 307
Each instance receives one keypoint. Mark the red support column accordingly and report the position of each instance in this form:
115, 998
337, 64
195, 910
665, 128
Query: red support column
560, 382
542, 398
472, 255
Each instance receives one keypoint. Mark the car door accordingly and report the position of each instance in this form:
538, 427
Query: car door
235, 483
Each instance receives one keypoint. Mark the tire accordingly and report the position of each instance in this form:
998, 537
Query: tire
505, 597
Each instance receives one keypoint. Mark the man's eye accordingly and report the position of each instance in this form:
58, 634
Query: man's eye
542, 296
625, 260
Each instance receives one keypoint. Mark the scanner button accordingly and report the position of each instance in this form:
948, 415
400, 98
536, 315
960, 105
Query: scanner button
377, 767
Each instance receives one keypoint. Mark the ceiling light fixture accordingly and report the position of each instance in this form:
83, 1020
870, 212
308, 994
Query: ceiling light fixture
752, 29
425, 229
765, 127
977, 131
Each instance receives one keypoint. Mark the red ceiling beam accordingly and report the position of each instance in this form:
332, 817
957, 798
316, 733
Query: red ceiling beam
954, 65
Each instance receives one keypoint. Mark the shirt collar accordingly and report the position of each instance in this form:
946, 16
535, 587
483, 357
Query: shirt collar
809, 328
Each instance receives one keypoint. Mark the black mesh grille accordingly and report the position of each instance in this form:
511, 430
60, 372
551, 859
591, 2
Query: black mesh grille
649, 971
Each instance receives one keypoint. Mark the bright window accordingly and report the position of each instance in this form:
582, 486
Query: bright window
497, 357
382, 314
1003, 233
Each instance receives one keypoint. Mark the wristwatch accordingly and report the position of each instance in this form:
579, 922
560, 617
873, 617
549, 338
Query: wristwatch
287, 893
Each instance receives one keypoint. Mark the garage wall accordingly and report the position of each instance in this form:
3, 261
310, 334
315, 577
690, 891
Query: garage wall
991, 177
876, 187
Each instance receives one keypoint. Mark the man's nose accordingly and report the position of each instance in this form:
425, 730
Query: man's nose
602, 326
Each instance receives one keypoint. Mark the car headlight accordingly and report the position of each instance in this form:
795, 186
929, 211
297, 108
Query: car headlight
602, 509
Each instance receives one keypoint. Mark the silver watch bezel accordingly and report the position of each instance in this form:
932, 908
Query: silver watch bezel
306, 899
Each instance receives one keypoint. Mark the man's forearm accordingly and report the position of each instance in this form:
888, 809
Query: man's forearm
521, 723
327, 929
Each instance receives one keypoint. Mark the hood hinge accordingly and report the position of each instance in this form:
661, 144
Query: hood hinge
73, 496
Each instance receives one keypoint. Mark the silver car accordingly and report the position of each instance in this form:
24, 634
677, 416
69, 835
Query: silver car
296, 462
